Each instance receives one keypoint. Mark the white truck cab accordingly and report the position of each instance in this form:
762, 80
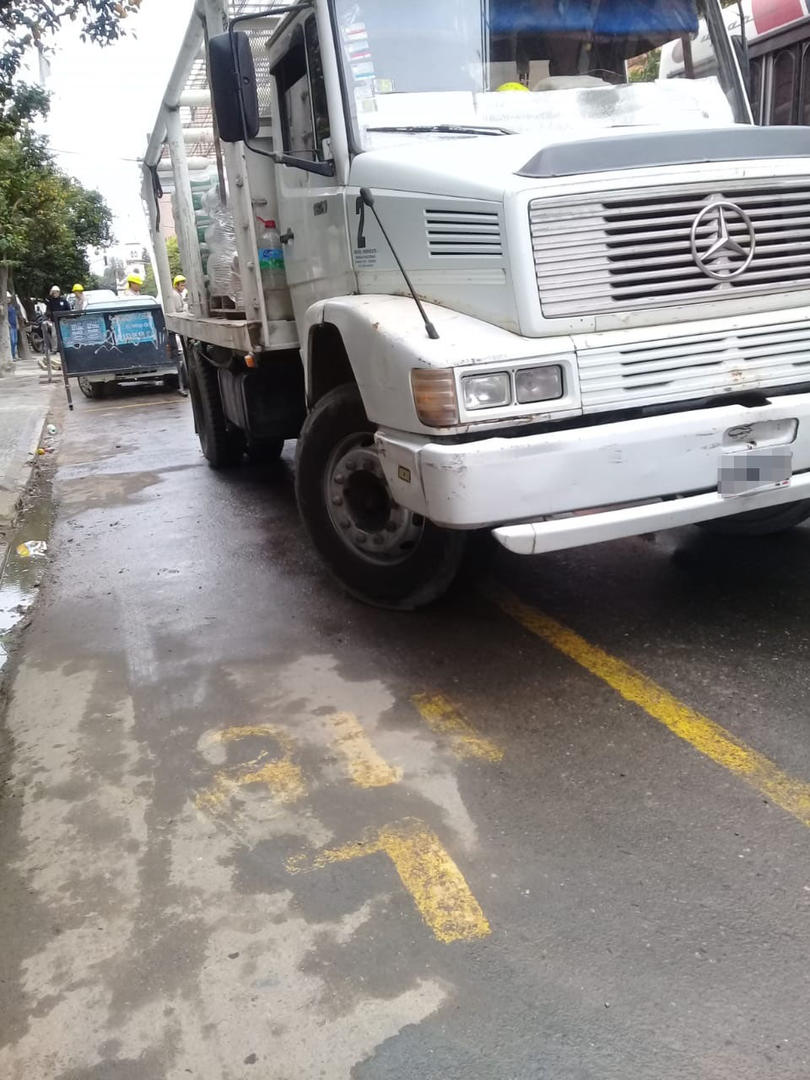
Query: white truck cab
531, 286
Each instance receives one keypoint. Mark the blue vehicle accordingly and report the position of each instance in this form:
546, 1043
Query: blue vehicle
115, 339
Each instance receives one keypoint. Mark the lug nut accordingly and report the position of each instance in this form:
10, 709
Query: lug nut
351, 465
378, 540
361, 538
340, 478
337, 500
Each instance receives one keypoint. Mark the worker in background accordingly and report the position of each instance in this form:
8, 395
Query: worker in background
134, 285
55, 302
79, 300
179, 295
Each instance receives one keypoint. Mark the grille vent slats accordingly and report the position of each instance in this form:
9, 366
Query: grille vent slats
694, 366
453, 233
633, 250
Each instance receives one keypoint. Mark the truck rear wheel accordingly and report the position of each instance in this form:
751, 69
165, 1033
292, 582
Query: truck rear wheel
379, 551
766, 522
221, 445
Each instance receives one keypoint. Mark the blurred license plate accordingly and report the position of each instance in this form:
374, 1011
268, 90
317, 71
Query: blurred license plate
754, 470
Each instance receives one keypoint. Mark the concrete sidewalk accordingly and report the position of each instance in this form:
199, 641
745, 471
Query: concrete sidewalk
25, 399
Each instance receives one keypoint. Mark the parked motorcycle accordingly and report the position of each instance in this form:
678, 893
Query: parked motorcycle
36, 336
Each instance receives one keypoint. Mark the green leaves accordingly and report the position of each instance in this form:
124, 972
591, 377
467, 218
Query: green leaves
24, 23
47, 219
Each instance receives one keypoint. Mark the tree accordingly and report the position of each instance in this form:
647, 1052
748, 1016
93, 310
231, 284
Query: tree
19, 106
47, 219
70, 218
30, 23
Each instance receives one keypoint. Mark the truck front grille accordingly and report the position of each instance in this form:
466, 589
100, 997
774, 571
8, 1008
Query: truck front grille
683, 368
633, 249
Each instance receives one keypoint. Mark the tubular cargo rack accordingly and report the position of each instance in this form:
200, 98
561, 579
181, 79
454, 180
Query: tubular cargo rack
184, 141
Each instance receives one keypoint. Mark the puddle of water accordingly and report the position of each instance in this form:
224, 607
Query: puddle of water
21, 576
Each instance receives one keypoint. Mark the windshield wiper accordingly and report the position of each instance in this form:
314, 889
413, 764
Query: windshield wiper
447, 129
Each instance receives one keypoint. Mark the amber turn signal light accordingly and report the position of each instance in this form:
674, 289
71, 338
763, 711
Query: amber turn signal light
434, 395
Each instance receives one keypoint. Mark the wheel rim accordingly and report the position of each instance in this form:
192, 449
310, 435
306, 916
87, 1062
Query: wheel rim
363, 513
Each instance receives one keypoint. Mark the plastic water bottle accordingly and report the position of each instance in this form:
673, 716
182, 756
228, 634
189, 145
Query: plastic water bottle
271, 257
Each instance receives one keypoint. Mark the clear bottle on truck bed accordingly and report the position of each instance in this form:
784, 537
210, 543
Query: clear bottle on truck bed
271, 265
271, 256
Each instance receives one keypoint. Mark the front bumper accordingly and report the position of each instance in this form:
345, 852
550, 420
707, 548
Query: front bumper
528, 487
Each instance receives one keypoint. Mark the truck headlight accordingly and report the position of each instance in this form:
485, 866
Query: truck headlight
539, 384
487, 391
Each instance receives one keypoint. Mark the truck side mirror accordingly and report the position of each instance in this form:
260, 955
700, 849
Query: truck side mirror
233, 87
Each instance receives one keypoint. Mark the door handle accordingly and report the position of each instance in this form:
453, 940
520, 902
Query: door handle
287, 236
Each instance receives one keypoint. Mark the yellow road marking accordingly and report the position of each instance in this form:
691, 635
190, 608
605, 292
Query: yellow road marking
435, 883
705, 735
366, 767
282, 776
442, 716
255, 731
136, 405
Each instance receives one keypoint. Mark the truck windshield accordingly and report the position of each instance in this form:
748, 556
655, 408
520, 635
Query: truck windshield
434, 68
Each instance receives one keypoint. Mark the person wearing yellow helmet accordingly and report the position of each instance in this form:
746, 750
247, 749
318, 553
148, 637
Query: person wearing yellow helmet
134, 285
78, 297
179, 294
511, 86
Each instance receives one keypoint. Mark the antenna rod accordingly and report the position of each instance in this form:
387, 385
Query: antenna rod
368, 199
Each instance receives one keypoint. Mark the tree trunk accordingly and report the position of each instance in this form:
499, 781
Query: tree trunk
23, 350
5, 338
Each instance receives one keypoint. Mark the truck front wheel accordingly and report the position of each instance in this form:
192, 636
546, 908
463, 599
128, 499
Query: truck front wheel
222, 446
379, 551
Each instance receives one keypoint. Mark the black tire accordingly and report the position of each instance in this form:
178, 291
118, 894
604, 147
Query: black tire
93, 390
171, 382
264, 451
221, 445
769, 521
426, 560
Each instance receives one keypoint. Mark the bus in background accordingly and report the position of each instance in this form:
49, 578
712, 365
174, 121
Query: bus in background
777, 33
779, 49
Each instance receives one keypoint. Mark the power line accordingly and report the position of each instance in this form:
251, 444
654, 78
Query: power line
92, 153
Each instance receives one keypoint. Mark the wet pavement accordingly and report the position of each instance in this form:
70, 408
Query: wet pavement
25, 398
556, 827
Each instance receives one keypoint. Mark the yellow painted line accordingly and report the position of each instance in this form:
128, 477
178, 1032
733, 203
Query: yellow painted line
252, 731
704, 735
436, 884
282, 776
137, 405
442, 716
366, 767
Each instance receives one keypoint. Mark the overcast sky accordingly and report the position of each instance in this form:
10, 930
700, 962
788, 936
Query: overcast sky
104, 101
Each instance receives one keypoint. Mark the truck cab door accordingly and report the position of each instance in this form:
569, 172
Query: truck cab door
311, 206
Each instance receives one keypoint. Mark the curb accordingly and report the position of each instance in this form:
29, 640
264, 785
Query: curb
5, 546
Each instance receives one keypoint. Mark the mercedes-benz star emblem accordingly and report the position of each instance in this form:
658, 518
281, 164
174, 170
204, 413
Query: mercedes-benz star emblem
715, 251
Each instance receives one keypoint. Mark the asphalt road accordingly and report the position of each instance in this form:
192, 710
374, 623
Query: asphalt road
556, 827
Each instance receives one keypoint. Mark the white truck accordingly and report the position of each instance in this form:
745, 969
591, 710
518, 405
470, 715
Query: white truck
531, 287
